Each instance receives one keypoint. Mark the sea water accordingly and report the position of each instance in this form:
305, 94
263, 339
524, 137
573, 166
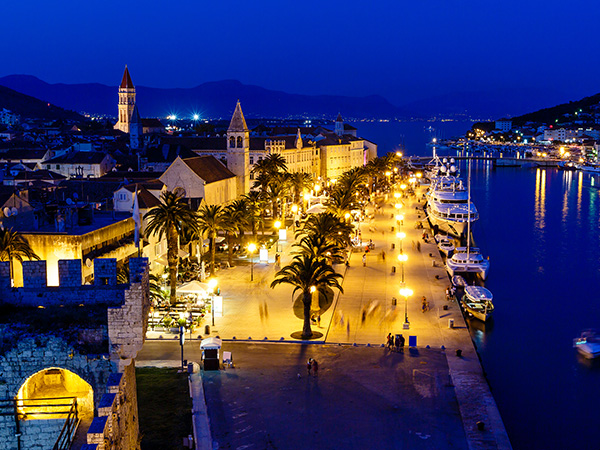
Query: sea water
541, 230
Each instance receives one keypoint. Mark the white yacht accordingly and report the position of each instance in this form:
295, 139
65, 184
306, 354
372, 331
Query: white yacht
445, 245
467, 262
449, 207
477, 301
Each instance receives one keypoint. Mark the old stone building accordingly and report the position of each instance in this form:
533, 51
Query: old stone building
68, 353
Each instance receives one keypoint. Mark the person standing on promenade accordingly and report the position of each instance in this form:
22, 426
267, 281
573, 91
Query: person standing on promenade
364, 260
309, 365
401, 342
315, 367
424, 305
390, 341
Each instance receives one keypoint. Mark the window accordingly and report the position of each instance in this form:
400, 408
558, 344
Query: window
58, 166
240, 142
231, 142
252, 160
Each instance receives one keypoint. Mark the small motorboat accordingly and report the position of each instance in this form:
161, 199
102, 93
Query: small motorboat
588, 344
445, 245
459, 282
477, 301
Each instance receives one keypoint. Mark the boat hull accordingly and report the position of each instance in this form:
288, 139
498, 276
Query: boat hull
453, 228
455, 269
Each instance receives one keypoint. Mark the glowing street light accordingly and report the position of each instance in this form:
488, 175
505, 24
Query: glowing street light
212, 284
252, 249
402, 258
401, 235
405, 292
196, 117
398, 205
277, 226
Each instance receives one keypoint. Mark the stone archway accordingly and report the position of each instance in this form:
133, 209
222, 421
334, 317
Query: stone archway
51, 386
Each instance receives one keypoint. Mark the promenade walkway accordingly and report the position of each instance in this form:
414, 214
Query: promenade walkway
254, 311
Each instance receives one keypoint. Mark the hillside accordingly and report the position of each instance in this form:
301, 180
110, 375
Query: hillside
30, 107
554, 113
210, 100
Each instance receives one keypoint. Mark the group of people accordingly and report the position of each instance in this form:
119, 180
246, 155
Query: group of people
450, 293
424, 304
395, 343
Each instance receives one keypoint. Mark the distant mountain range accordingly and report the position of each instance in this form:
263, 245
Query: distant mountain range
217, 100
211, 100
28, 106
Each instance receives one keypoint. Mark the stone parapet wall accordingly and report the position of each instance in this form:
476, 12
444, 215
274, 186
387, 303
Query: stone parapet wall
35, 434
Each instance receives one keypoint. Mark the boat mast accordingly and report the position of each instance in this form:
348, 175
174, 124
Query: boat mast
468, 208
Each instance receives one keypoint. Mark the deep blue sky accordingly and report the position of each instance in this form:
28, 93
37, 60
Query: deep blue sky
401, 49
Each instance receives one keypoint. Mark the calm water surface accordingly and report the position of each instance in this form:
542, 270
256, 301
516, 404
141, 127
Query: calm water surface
541, 229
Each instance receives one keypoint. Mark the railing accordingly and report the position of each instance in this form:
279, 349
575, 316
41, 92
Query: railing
44, 408
68, 430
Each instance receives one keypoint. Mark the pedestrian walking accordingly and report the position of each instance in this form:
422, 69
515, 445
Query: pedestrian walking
424, 305
418, 245
319, 320
401, 341
364, 260
397, 342
309, 364
389, 341
315, 367
383, 254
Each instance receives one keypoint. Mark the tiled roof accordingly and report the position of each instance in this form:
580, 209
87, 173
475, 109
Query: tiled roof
22, 154
126, 81
168, 153
78, 158
209, 168
41, 174
198, 143
152, 123
145, 199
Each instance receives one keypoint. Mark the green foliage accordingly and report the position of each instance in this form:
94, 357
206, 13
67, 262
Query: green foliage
164, 408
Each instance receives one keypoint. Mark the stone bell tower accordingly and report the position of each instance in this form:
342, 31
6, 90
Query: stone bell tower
126, 102
238, 150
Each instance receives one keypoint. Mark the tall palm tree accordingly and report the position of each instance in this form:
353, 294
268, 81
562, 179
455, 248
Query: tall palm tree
299, 181
256, 208
14, 246
234, 218
210, 221
332, 227
171, 218
305, 272
271, 164
319, 247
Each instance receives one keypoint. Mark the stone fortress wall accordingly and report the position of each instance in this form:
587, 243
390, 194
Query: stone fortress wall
110, 375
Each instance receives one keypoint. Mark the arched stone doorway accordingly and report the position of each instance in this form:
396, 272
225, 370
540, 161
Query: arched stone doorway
54, 386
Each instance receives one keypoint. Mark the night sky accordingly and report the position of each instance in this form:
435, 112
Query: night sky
403, 50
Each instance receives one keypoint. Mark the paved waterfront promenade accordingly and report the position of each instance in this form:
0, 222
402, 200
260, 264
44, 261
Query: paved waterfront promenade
253, 310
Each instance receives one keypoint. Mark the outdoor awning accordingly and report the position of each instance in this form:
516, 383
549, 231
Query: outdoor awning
316, 209
194, 287
211, 343
180, 253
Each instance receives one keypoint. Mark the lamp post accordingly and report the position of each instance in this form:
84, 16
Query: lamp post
405, 292
252, 249
401, 235
277, 226
212, 284
295, 211
402, 258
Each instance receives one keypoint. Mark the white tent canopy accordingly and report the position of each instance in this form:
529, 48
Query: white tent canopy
316, 209
211, 343
194, 287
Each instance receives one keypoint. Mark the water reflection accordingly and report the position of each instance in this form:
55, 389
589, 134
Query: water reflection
540, 199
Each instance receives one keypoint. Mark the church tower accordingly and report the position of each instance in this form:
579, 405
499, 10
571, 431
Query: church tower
339, 125
299, 143
238, 150
126, 102
136, 130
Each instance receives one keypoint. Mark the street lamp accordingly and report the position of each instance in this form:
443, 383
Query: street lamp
401, 235
277, 226
212, 284
252, 249
402, 258
405, 292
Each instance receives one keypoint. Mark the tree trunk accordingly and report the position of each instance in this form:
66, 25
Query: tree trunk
213, 245
307, 300
172, 257
229, 249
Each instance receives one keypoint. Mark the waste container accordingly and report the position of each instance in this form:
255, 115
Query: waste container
207, 329
393, 269
450, 323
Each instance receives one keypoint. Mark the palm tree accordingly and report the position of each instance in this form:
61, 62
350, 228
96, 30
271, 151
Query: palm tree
256, 208
234, 218
171, 218
210, 221
271, 164
306, 272
299, 182
14, 246
332, 227
319, 247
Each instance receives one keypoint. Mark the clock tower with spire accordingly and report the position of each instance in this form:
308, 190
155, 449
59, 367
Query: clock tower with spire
126, 102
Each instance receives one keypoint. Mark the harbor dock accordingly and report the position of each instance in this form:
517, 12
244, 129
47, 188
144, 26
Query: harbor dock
370, 307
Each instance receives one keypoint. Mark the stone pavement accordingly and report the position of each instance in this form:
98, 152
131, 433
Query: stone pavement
254, 311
